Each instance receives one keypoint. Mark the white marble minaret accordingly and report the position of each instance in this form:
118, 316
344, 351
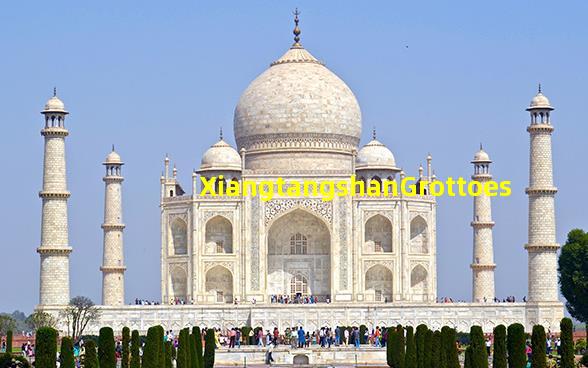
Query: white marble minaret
483, 258
542, 247
113, 268
54, 249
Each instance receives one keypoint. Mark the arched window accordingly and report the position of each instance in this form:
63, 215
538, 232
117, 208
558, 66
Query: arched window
219, 235
179, 231
419, 241
378, 235
298, 286
298, 244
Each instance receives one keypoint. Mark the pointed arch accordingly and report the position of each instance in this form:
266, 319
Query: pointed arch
219, 284
218, 235
179, 283
378, 234
378, 283
419, 238
419, 283
179, 233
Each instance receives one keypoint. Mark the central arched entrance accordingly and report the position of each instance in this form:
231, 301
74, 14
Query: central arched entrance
299, 259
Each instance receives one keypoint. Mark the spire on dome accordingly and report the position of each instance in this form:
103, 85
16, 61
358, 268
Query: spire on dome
296, 30
374, 133
539, 89
221, 133
54, 91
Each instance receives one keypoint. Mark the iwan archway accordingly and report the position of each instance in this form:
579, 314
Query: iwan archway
298, 257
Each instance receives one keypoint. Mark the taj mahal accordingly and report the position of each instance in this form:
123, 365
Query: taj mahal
361, 260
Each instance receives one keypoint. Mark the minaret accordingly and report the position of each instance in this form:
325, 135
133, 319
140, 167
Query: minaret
113, 268
54, 249
483, 256
542, 246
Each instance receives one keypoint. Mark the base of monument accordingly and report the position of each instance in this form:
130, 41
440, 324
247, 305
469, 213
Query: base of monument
314, 316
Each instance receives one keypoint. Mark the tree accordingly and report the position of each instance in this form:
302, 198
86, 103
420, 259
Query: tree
539, 348
168, 354
515, 343
194, 361
400, 347
45, 347
39, 319
467, 362
151, 351
410, 358
479, 352
90, 357
126, 332
573, 274
9, 341
428, 349
135, 347
421, 332
567, 343
209, 348
198, 338
499, 357
391, 346
78, 314
106, 349
362, 331
7, 323
436, 350
182, 354
160, 345
451, 353
66, 355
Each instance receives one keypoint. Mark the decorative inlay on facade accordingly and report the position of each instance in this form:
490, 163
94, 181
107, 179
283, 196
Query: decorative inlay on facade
228, 265
319, 207
369, 264
368, 214
343, 264
210, 214
283, 141
255, 212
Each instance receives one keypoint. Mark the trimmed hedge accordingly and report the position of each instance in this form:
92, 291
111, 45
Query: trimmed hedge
420, 335
198, 338
390, 346
168, 347
567, 343
515, 343
410, 358
182, 354
46, 347
209, 348
151, 352
106, 349
9, 341
135, 347
90, 356
436, 350
126, 341
499, 359
478, 344
451, 353
539, 348
428, 350
66, 355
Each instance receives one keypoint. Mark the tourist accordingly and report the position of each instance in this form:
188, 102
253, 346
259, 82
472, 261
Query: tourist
356, 337
238, 337
301, 338
377, 337
346, 336
268, 355
337, 336
260, 338
488, 345
232, 336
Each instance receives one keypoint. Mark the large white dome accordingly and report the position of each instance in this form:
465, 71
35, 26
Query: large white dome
297, 103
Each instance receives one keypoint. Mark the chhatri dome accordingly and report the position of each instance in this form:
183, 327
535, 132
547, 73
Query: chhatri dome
54, 104
220, 156
481, 156
113, 158
540, 101
375, 155
297, 104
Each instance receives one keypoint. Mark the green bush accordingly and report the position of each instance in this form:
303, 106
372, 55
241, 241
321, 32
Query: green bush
106, 353
515, 343
478, 344
194, 361
391, 346
567, 343
182, 355
198, 338
580, 346
245, 335
410, 358
168, 347
9, 341
499, 356
436, 350
46, 347
428, 350
151, 352
401, 347
160, 345
467, 361
126, 340
451, 353
90, 356
584, 359
209, 349
135, 347
421, 332
66, 355
7, 358
539, 348
362, 330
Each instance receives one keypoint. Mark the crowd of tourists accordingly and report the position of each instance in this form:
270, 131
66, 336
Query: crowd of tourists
298, 299
508, 299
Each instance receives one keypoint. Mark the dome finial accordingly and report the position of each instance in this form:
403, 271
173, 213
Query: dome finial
296, 29
374, 133
539, 89
54, 91
113, 147
481, 146
221, 133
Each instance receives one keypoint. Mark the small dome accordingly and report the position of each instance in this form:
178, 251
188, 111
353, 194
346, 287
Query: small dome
375, 155
54, 104
540, 101
113, 158
481, 156
220, 156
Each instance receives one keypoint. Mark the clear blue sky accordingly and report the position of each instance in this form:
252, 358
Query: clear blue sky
155, 77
